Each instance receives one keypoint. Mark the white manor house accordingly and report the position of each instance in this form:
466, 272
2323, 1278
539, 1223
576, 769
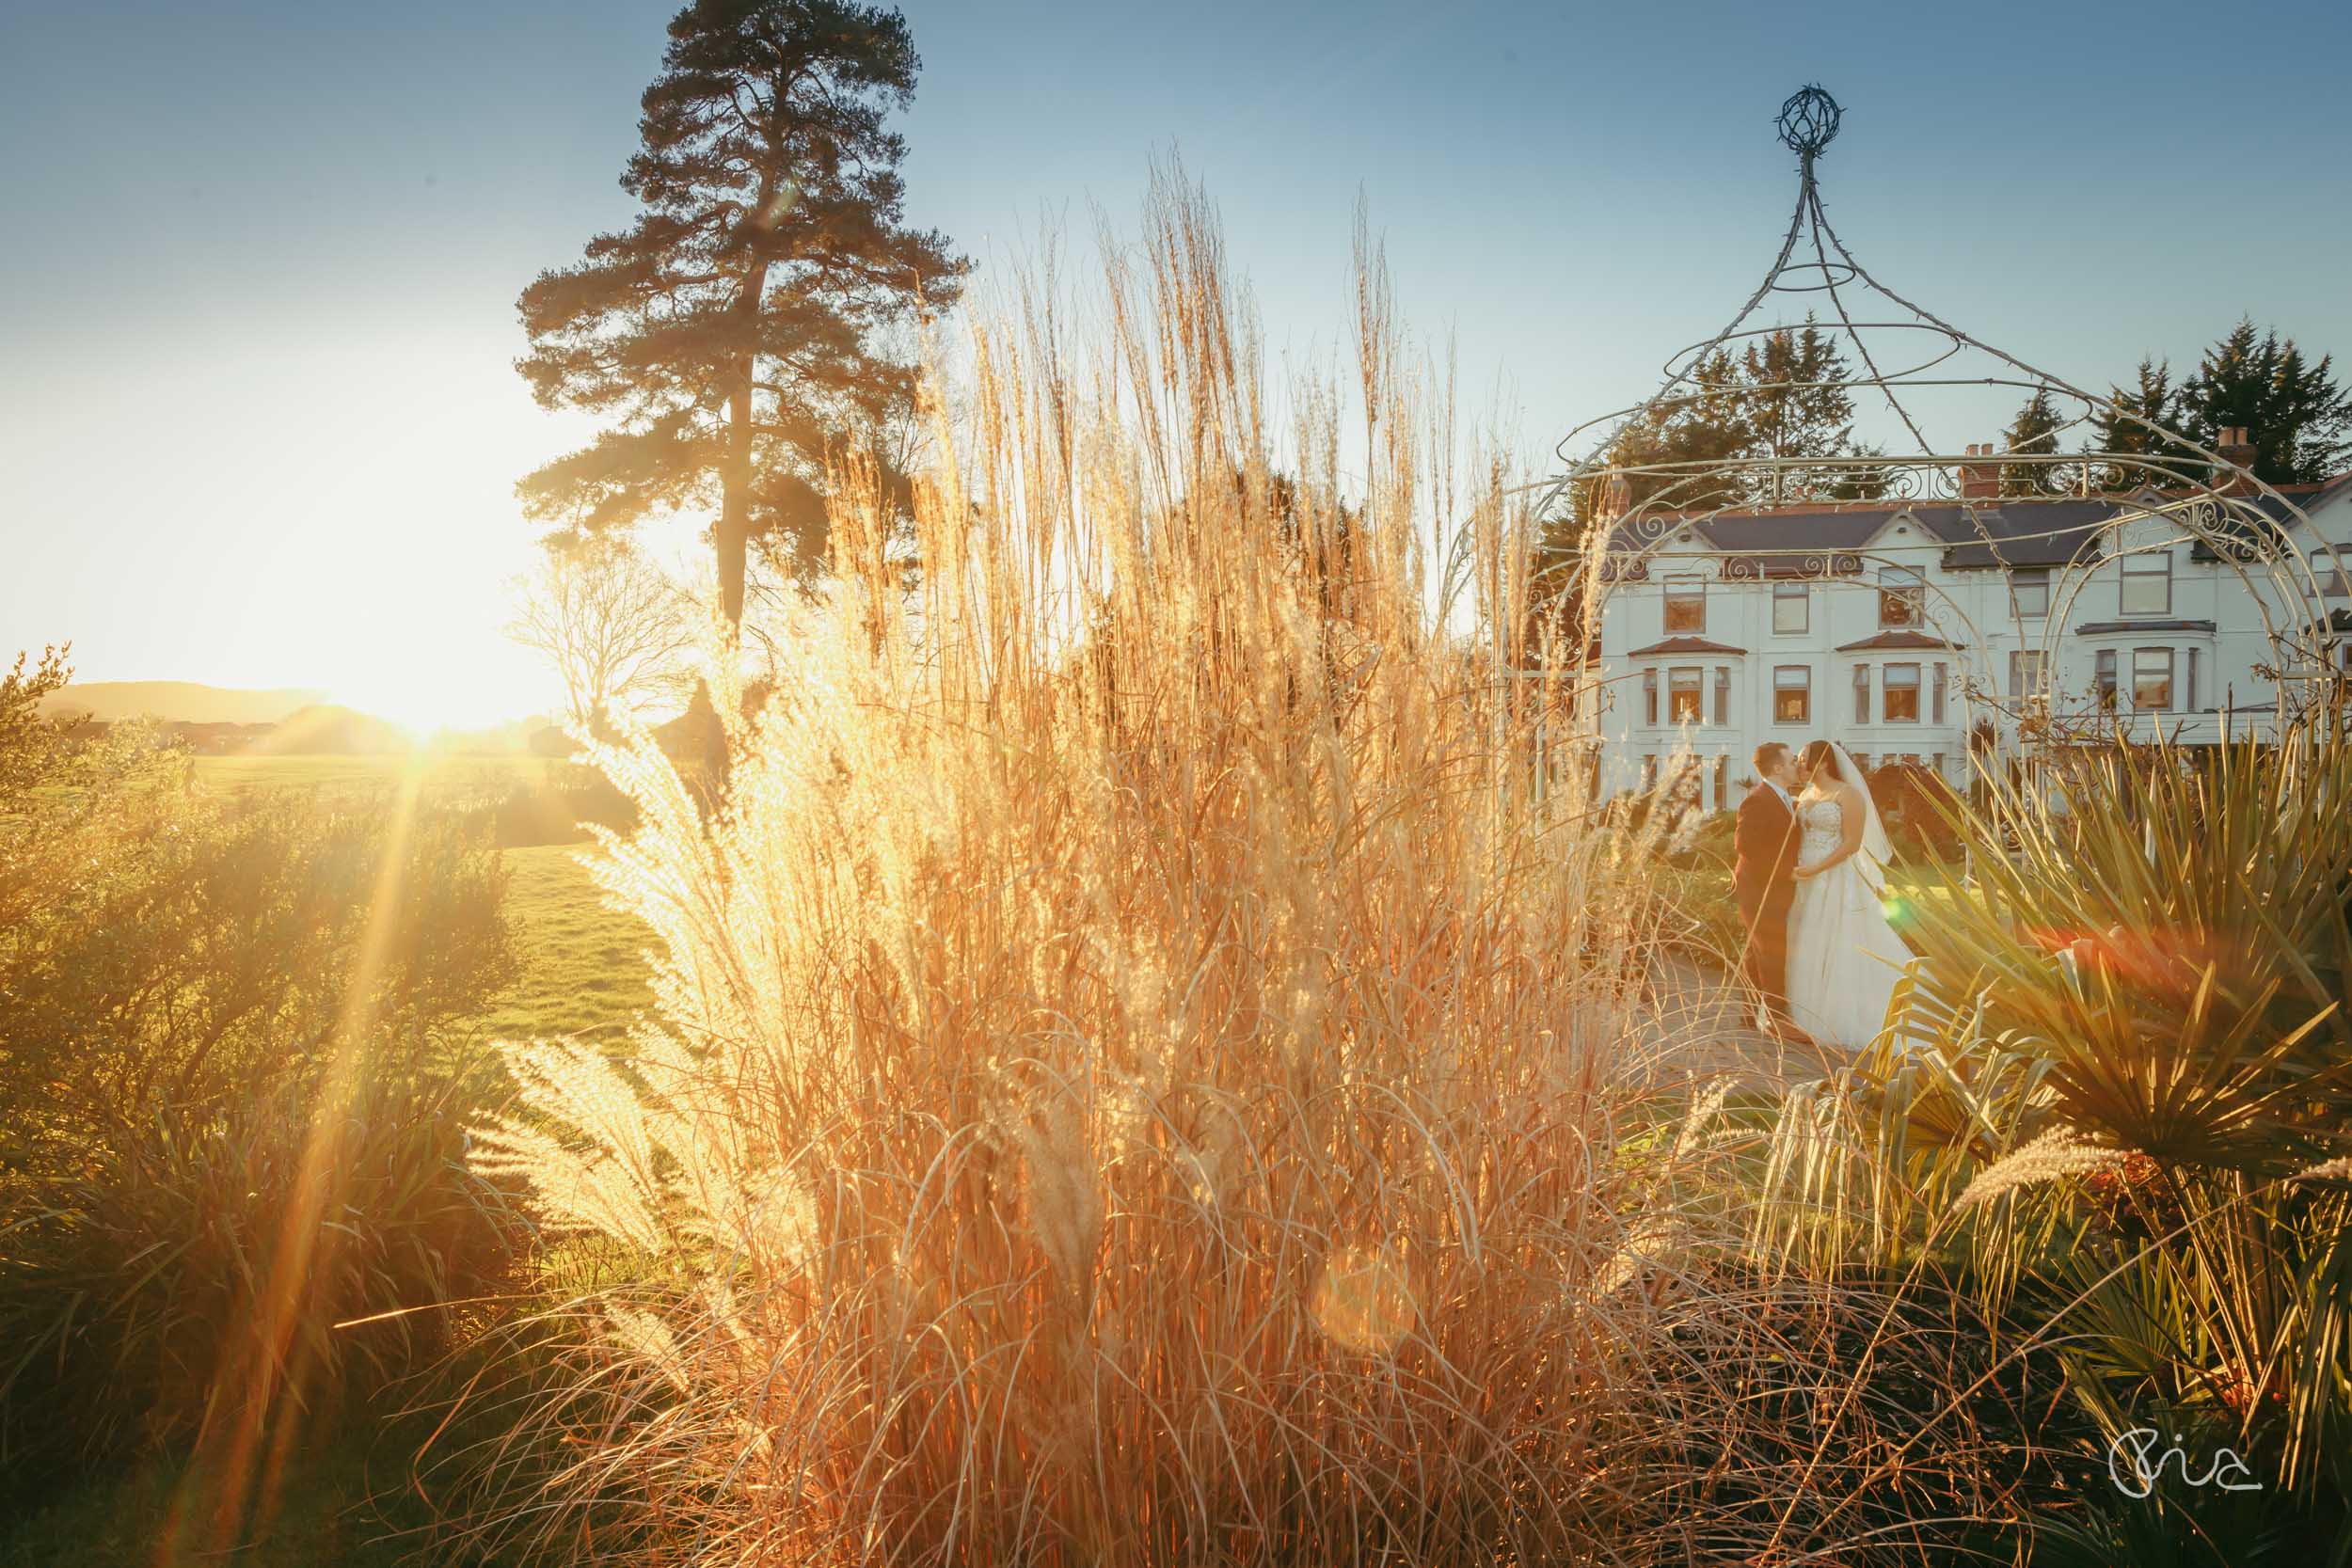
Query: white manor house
1900, 628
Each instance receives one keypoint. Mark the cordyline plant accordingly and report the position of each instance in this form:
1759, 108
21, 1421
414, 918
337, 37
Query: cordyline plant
2127, 1126
1142, 1075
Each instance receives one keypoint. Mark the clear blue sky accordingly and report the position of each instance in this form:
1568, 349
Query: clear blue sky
260, 261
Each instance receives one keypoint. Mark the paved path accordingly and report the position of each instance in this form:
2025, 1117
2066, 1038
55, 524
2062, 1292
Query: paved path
1696, 1027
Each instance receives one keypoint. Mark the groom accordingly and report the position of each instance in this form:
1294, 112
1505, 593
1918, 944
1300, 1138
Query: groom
1764, 879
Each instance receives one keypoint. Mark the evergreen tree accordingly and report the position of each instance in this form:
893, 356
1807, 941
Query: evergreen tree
2035, 433
1796, 403
1784, 396
2121, 429
2297, 417
736, 330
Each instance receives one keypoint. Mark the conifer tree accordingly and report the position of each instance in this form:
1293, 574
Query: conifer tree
2123, 430
2296, 416
738, 329
2035, 433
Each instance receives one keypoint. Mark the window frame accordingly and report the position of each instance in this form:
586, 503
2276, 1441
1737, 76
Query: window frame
1804, 688
1893, 590
2145, 567
1684, 586
2172, 672
1888, 685
1862, 693
2037, 576
1649, 695
1723, 695
2020, 689
1799, 594
2104, 680
1699, 693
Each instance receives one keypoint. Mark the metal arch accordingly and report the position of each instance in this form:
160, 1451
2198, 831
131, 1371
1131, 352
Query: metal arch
2211, 501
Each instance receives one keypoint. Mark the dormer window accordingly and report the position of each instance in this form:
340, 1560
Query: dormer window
1686, 604
2147, 584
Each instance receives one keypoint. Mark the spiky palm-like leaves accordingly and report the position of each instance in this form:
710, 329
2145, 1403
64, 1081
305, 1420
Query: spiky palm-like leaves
2153, 947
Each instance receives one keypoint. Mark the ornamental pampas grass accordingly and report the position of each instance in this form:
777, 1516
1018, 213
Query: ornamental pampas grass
1140, 1060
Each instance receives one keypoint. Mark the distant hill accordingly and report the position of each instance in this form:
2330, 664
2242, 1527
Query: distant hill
186, 702
323, 728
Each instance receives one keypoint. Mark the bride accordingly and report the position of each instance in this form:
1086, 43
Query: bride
1843, 957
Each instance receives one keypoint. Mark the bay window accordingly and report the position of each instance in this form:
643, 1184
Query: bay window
2105, 679
1682, 695
2028, 672
1792, 694
1861, 693
2152, 680
1902, 693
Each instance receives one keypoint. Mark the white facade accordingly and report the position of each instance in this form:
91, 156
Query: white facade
1707, 654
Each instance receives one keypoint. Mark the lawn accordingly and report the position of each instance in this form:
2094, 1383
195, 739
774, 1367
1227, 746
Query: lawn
583, 968
447, 775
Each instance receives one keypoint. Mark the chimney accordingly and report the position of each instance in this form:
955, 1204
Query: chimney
1620, 495
1980, 482
2237, 451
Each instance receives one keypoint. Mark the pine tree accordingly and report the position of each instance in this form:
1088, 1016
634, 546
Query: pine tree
2123, 430
2035, 433
1796, 402
1784, 396
2296, 416
737, 328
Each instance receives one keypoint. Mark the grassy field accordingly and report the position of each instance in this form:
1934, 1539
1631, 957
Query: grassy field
583, 964
446, 775
584, 972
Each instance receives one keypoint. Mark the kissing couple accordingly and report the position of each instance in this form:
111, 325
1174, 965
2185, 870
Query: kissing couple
1811, 869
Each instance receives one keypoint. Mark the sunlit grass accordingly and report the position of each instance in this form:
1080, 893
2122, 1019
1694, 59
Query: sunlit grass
1138, 1075
583, 971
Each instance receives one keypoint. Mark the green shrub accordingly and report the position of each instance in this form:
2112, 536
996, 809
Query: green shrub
231, 1093
136, 1292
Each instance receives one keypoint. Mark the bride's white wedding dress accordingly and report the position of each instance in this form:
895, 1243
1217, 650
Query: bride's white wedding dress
1844, 959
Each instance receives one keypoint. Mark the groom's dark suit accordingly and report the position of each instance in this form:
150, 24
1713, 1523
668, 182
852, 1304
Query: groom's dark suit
1764, 879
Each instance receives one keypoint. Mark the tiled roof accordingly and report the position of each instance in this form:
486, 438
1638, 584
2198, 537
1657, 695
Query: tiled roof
2008, 531
1903, 637
2117, 629
1684, 645
2114, 628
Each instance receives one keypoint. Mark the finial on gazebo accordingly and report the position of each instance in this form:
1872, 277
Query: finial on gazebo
1808, 122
